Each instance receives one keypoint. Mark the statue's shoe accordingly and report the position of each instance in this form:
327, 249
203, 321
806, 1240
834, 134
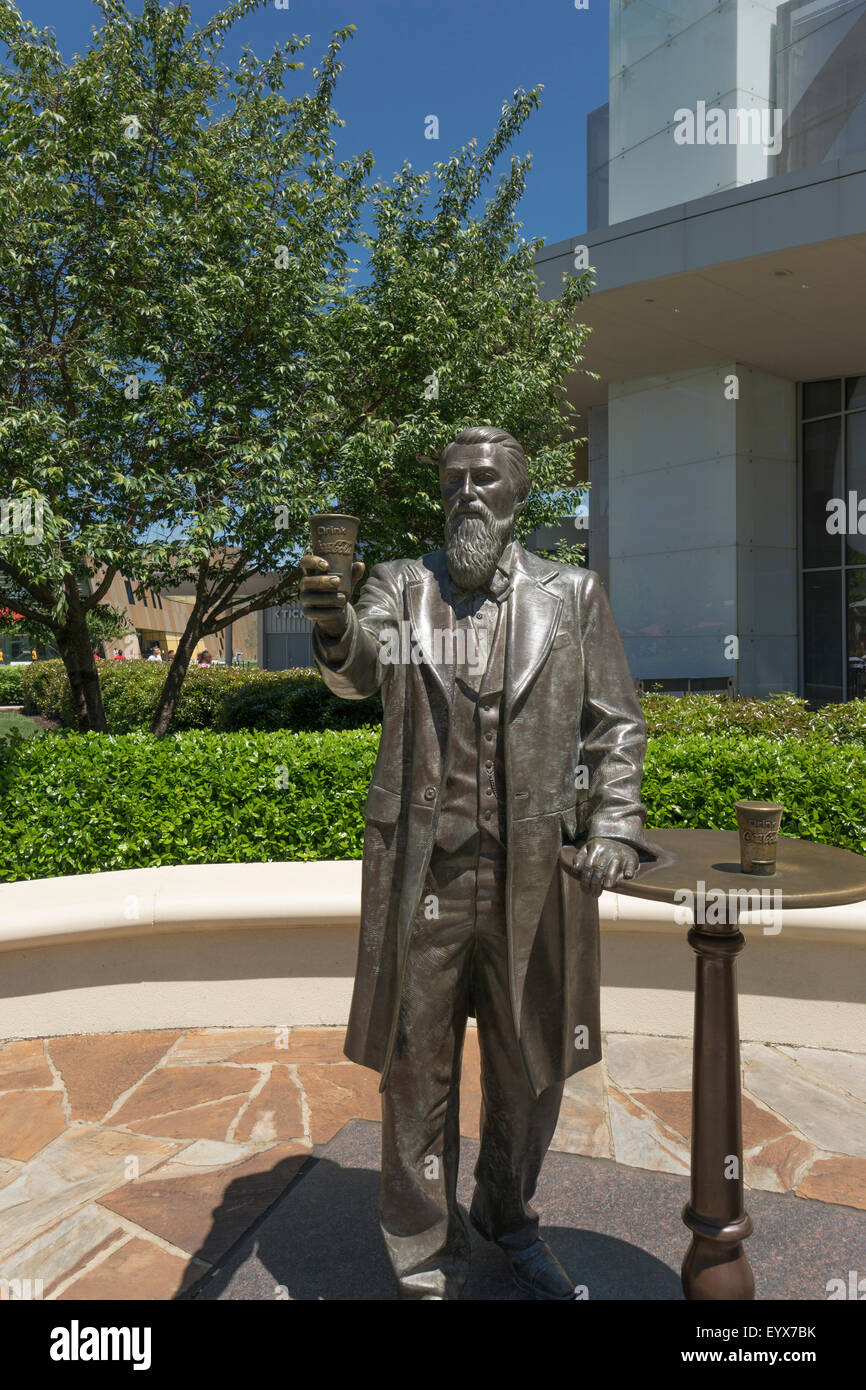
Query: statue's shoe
537, 1271
534, 1269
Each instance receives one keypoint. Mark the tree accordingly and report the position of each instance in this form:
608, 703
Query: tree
187, 367
171, 243
451, 331
107, 623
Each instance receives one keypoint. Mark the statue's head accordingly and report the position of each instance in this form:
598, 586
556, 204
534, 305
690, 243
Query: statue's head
485, 483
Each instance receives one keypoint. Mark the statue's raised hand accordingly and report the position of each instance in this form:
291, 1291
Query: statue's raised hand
321, 601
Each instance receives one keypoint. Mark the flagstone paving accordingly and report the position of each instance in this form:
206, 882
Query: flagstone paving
130, 1163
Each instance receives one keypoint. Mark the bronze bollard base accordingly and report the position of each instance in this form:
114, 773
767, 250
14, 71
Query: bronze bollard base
715, 1266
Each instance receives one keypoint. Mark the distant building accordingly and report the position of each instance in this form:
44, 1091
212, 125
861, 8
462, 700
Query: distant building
727, 427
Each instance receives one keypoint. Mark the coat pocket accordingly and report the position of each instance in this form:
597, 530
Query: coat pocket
382, 805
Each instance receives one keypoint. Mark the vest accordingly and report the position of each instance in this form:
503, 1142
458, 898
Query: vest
474, 795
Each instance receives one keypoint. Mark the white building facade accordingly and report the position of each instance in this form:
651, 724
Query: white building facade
727, 430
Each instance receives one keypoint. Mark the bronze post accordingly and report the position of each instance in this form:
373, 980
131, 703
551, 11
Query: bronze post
715, 1266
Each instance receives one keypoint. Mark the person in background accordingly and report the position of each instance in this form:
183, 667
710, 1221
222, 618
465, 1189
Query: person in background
118, 654
155, 653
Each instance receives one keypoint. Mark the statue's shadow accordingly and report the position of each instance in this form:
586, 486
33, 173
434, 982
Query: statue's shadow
321, 1241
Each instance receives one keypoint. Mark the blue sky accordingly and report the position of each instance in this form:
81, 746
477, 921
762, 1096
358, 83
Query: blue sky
456, 59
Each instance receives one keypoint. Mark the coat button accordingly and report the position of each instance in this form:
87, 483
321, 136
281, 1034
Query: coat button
488, 763
429, 793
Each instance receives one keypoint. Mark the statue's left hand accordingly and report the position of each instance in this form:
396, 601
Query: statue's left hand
601, 862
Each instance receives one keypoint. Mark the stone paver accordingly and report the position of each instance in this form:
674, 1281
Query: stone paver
212, 1121
674, 1109
836, 1179
644, 1064
828, 1117
224, 1044
205, 1210
582, 1126
335, 1093
28, 1121
641, 1140
72, 1243
70, 1172
136, 1269
844, 1069
97, 1070
23, 1065
275, 1112
177, 1088
130, 1163
779, 1165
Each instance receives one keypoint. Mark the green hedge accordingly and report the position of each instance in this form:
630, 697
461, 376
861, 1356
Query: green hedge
12, 685
92, 803
81, 803
216, 697
779, 717
228, 698
693, 781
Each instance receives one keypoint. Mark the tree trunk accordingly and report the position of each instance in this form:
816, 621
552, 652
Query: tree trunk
170, 692
73, 642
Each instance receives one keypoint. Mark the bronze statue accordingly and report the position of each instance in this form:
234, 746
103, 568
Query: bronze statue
510, 728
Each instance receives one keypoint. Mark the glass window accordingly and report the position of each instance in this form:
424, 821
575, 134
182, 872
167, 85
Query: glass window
855, 480
130, 597
855, 393
822, 480
822, 636
822, 398
857, 634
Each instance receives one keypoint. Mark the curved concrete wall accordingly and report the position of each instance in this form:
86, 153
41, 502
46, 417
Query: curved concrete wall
227, 945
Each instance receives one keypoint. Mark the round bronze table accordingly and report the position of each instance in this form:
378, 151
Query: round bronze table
700, 871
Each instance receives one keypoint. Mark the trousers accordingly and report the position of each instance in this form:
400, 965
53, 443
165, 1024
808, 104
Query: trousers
457, 966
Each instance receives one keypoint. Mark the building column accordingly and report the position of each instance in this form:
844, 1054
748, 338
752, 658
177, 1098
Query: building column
703, 544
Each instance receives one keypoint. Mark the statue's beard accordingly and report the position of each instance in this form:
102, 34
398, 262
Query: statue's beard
474, 543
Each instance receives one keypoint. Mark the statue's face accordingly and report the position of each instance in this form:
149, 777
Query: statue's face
472, 475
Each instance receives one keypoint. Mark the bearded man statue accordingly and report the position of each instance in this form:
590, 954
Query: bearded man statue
486, 768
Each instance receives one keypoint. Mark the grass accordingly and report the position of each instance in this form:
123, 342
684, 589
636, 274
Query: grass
9, 720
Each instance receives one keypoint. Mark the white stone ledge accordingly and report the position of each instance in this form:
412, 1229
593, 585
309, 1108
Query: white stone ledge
326, 893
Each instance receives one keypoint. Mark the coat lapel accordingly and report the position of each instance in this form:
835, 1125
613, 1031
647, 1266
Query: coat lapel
533, 613
431, 619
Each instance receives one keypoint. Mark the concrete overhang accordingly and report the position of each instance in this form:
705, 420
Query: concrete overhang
771, 275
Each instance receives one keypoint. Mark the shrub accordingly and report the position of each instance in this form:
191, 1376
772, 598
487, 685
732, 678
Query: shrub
81, 803
215, 697
46, 690
780, 716
95, 803
295, 700
12, 685
694, 781
841, 723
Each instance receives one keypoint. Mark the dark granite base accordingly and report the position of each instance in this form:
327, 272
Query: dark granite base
617, 1230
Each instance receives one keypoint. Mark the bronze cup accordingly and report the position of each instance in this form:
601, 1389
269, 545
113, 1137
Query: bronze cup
758, 823
334, 537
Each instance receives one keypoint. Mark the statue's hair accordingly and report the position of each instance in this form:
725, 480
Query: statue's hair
504, 443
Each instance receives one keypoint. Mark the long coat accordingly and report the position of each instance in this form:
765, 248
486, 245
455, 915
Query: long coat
568, 704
